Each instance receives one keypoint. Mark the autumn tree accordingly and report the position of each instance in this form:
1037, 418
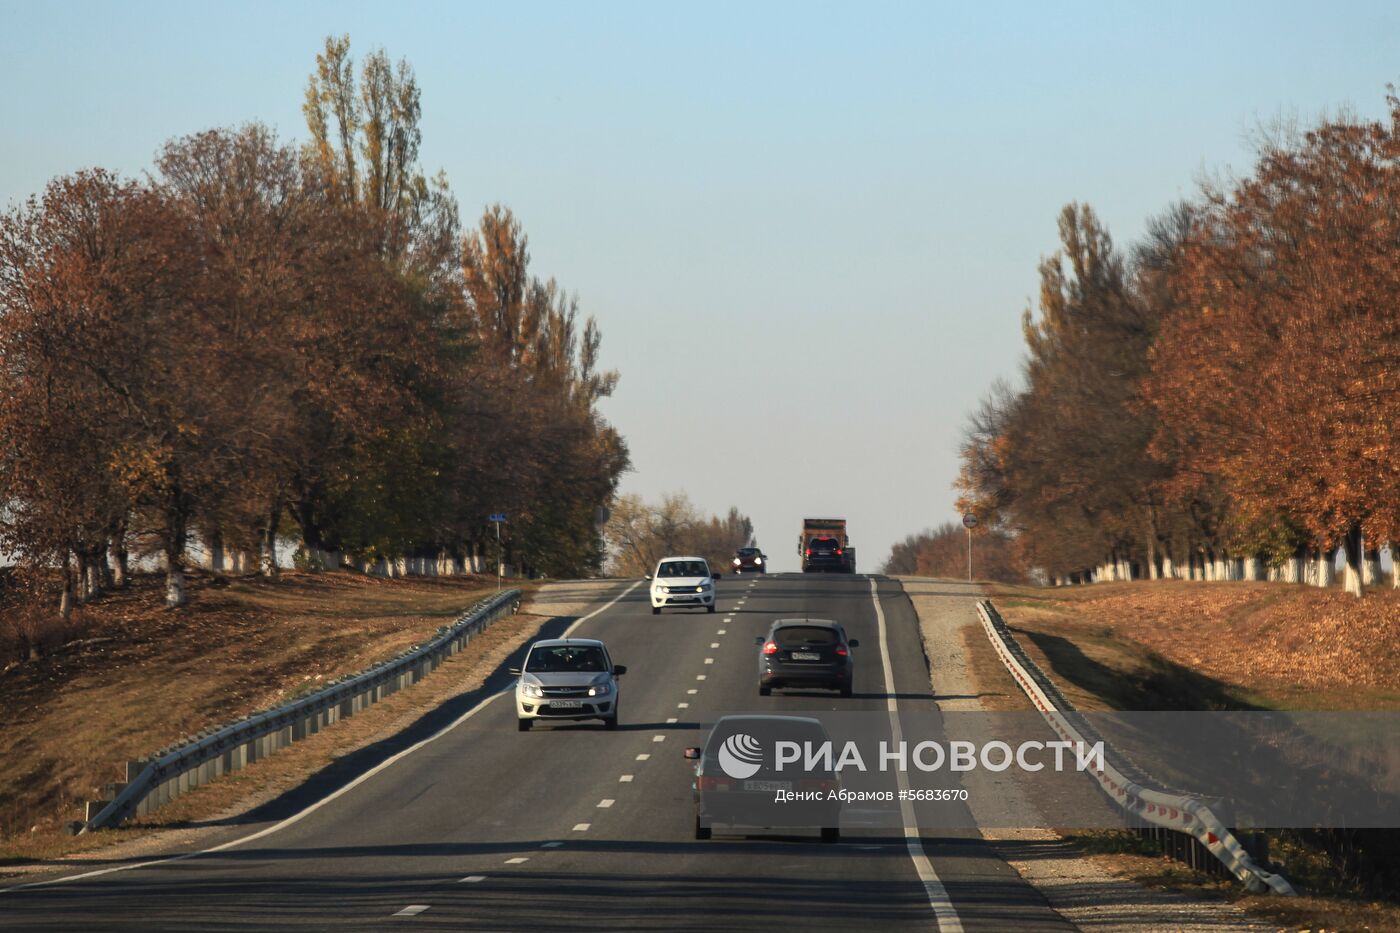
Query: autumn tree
1283, 368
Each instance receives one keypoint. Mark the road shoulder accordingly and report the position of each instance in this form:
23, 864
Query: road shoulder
966, 675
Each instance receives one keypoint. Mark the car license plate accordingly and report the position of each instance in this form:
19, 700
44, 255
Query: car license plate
767, 786
806, 656
566, 704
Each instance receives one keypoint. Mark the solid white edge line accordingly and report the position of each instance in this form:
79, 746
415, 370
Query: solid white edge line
943, 913
303, 814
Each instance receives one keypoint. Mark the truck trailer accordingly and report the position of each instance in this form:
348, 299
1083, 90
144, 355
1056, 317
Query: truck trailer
825, 547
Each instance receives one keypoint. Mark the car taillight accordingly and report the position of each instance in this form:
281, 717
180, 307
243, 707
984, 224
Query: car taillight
841, 651
770, 648
838, 552
707, 783
809, 552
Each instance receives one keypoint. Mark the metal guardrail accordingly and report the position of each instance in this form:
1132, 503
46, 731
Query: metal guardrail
173, 771
1172, 815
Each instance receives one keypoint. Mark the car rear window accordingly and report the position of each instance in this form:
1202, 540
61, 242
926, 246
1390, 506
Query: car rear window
562, 659
824, 542
803, 636
683, 568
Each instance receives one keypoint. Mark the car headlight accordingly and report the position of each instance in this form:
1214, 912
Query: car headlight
531, 690
758, 560
737, 561
599, 690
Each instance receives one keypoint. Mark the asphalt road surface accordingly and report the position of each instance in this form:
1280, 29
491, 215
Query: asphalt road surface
570, 827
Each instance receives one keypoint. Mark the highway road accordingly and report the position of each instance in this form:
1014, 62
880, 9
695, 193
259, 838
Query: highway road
467, 824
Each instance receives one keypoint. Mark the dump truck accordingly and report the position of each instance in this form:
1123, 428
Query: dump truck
824, 546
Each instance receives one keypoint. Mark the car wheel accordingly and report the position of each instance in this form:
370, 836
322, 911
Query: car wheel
765, 691
701, 832
846, 690
656, 610
610, 724
710, 607
524, 725
831, 834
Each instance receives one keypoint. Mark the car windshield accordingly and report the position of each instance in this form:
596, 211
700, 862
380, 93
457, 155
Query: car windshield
748, 551
804, 636
683, 568
560, 659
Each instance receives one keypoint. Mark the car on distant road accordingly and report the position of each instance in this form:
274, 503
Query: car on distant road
825, 555
806, 653
567, 679
682, 582
738, 778
751, 560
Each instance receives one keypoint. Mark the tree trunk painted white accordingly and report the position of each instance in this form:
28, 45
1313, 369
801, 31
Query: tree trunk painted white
1371, 567
1324, 569
1168, 571
267, 557
1251, 568
94, 572
119, 575
175, 595
1353, 557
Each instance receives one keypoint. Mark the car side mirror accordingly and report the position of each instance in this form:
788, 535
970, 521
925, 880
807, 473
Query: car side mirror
758, 639
515, 671
619, 670
692, 754
854, 642
646, 576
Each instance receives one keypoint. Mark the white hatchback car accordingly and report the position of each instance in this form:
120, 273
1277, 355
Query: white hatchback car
682, 582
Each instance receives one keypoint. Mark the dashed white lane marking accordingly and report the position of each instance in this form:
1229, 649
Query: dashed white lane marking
412, 910
605, 803
722, 631
944, 915
671, 720
699, 676
682, 706
658, 738
312, 808
714, 644
581, 827
472, 879
692, 692
517, 860
643, 756
551, 845
625, 779
728, 618
709, 660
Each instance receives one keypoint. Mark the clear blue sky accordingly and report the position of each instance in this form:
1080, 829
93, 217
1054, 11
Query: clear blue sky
808, 231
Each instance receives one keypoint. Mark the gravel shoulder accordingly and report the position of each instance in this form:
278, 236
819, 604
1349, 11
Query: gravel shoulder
966, 675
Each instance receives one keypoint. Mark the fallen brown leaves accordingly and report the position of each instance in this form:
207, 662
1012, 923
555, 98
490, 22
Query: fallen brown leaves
1266, 637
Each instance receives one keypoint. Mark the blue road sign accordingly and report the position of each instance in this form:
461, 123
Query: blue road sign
496, 517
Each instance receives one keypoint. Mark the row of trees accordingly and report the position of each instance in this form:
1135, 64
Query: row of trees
943, 552
1220, 401
640, 533
259, 336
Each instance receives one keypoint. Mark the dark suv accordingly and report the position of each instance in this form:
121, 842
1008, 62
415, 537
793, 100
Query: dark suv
750, 560
806, 653
824, 554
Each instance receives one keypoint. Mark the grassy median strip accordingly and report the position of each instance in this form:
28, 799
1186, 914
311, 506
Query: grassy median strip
142, 677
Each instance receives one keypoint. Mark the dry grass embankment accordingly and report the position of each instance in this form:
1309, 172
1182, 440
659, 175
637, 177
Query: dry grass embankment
1184, 645
1193, 645
143, 676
